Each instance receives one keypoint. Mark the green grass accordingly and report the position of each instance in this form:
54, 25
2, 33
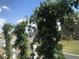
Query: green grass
71, 46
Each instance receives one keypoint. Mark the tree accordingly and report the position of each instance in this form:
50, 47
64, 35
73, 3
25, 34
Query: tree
68, 26
22, 41
7, 28
48, 36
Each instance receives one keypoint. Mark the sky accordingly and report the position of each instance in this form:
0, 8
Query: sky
13, 10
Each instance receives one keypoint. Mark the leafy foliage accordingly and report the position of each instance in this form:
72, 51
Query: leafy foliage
8, 36
22, 41
46, 17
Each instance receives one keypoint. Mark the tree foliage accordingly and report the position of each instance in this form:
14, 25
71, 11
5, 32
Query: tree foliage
46, 17
22, 41
8, 36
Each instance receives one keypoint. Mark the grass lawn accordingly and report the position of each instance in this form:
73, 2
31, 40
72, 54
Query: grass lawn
71, 46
